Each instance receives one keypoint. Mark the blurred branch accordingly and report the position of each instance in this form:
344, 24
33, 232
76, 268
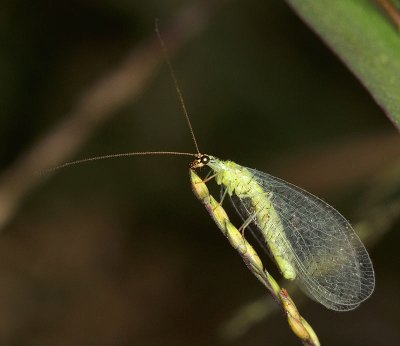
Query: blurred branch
118, 87
391, 11
341, 163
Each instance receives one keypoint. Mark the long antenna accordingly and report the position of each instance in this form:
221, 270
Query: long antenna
114, 156
177, 88
118, 155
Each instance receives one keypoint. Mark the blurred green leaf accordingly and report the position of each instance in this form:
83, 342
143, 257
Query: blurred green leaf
366, 40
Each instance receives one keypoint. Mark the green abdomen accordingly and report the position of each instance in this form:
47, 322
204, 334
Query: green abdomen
254, 201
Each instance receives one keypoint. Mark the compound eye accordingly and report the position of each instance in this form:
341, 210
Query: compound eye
205, 159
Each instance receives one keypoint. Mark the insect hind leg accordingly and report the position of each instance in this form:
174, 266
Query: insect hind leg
248, 221
224, 192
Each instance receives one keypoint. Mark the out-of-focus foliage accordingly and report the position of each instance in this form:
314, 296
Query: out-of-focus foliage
365, 39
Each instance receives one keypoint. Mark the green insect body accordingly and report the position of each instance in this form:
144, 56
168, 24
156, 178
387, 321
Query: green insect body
309, 240
239, 181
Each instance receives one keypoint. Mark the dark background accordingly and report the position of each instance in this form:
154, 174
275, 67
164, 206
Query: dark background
120, 251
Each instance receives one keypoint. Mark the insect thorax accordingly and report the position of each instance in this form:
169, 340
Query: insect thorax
236, 179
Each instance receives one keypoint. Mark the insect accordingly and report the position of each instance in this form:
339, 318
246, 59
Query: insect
308, 239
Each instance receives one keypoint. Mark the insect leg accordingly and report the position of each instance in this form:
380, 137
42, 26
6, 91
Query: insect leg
248, 221
206, 180
223, 194
208, 174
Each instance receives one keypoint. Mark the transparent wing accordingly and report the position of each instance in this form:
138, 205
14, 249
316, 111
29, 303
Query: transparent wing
331, 264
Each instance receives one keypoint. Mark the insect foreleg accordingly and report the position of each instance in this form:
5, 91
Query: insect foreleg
208, 178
